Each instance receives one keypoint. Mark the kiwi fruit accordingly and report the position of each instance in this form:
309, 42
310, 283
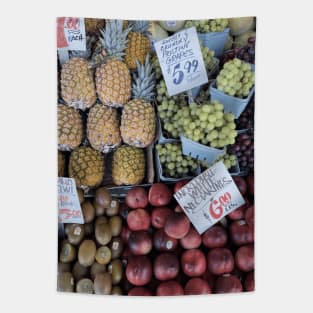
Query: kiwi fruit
64, 267
75, 233
103, 234
115, 268
80, 194
89, 212
99, 210
86, 253
96, 268
103, 197
117, 247
103, 255
117, 291
65, 282
115, 223
84, 285
103, 284
80, 271
89, 229
67, 253
101, 220
113, 208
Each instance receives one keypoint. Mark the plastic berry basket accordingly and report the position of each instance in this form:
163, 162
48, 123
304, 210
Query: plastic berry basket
215, 41
199, 151
195, 91
161, 138
163, 178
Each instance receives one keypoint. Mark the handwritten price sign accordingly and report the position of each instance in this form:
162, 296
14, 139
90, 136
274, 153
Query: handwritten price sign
71, 33
181, 61
209, 197
68, 202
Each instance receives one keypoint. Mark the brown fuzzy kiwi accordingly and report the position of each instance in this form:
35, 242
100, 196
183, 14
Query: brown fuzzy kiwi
103, 255
116, 224
89, 229
117, 247
96, 268
103, 284
80, 194
103, 234
114, 208
64, 267
117, 291
80, 271
84, 285
86, 253
89, 212
75, 233
67, 253
98, 208
115, 268
101, 220
103, 197
65, 282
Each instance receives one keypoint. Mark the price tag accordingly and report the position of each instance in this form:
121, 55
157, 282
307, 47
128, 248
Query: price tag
71, 33
209, 197
181, 61
68, 202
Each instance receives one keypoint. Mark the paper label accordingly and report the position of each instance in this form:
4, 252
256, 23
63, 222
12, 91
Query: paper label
68, 202
71, 33
209, 197
181, 61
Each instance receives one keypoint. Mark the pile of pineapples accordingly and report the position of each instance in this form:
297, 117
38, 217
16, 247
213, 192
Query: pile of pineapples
106, 106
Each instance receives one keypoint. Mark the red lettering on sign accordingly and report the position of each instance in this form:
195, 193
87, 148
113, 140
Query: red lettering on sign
61, 40
216, 208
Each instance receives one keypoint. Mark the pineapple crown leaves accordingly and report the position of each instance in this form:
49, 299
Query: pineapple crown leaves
140, 27
114, 39
144, 81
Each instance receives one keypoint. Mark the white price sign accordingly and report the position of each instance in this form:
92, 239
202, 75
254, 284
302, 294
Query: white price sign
181, 61
71, 34
68, 202
209, 197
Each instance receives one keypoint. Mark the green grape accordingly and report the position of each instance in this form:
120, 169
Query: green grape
192, 126
219, 123
203, 125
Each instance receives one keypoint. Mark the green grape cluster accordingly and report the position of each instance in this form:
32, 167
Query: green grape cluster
205, 123
156, 67
208, 58
205, 26
229, 161
174, 163
236, 78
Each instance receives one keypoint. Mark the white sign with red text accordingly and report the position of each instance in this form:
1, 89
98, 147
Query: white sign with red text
209, 197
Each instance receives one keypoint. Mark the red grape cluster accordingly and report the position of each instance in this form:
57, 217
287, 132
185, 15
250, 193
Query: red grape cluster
244, 150
245, 53
246, 119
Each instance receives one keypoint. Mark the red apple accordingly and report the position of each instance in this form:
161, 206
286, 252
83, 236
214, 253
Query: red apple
180, 184
220, 261
227, 284
214, 237
138, 219
159, 216
244, 258
177, 225
241, 233
139, 270
197, 286
250, 181
137, 198
192, 240
140, 242
159, 195
249, 281
193, 262
170, 288
241, 184
166, 266
163, 242
249, 216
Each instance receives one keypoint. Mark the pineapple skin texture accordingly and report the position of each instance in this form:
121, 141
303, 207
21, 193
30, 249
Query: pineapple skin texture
103, 128
70, 128
86, 166
137, 48
93, 25
77, 85
113, 83
128, 166
138, 123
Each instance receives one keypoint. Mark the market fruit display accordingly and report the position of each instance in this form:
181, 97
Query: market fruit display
239, 25
236, 78
122, 139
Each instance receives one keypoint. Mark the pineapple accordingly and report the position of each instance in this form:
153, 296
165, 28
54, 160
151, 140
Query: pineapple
77, 86
61, 164
128, 167
70, 128
138, 43
138, 117
86, 166
113, 80
93, 25
103, 128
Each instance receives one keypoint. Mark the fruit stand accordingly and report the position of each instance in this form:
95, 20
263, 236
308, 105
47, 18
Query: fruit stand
127, 149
